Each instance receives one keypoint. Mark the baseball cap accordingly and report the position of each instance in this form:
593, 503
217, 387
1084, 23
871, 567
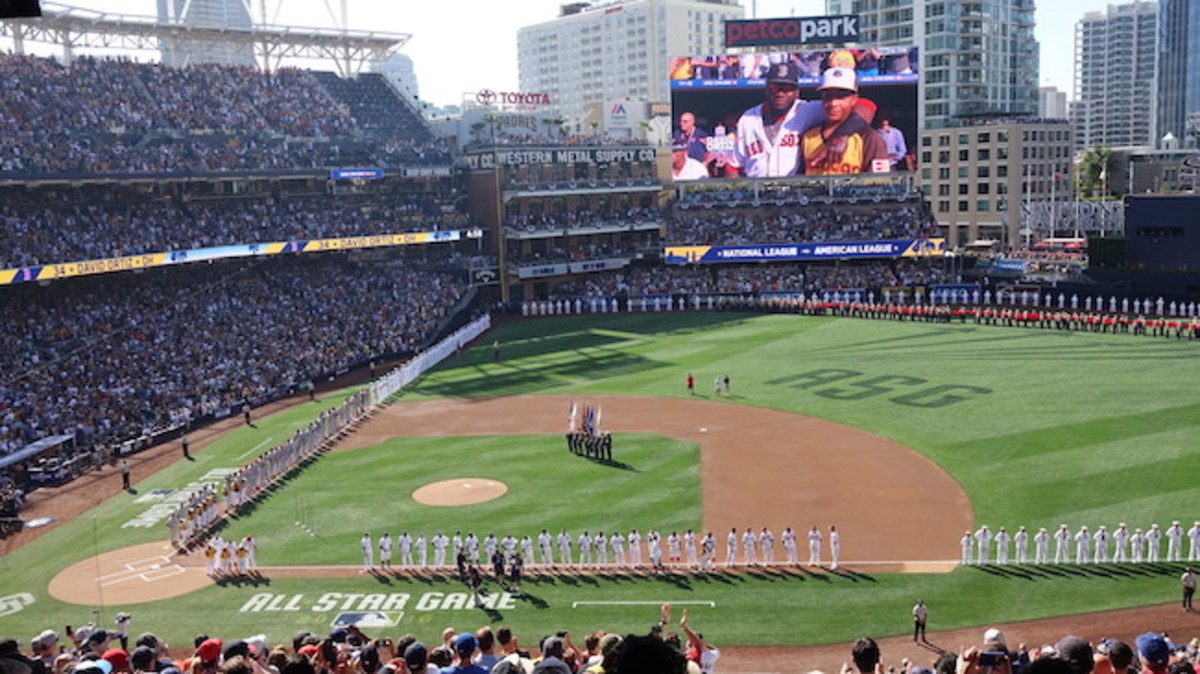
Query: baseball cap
1077, 651
679, 145
209, 651
839, 78
308, 650
118, 657
416, 655
147, 639
783, 73
235, 648
142, 658
102, 666
1153, 648
465, 644
994, 637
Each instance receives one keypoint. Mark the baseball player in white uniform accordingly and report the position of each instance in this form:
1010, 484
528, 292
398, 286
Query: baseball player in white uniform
766, 543
368, 551
545, 543
440, 543
983, 543
404, 542
635, 547
1120, 543
835, 547
1002, 541
564, 547
1174, 542
768, 135
789, 544
965, 542
1100, 545
814, 547
1153, 537
731, 543
422, 550
617, 541
385, 550
1041, 543
1021, 539
1083, 544
1062, 539
1193, 535
689, 548
585, 549
600, 543
1135, 545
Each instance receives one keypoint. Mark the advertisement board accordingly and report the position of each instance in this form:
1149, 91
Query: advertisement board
785, 113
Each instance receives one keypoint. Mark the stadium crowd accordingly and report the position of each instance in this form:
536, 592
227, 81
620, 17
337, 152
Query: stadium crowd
117, 116
115, 357
580, 219
753, 278
48, 226
91, 649
794, 225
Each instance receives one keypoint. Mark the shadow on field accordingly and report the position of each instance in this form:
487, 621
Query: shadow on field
1033, 572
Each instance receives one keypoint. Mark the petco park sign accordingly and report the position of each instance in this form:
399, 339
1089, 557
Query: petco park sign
511, 99
792, 31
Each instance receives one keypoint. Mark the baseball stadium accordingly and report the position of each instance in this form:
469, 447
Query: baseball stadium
245, 344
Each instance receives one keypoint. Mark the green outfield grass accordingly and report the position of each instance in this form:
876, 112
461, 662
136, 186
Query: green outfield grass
1039, 427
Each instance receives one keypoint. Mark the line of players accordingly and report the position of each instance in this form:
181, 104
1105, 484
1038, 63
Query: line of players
1090, 546
594, 550
228, 559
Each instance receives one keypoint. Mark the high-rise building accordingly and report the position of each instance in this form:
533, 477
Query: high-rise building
980, 57
205, 14
1176, 75
1052, 103
1114, 91
980, 174
618, 50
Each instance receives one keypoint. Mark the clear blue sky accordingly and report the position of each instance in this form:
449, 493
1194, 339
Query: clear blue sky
461, 46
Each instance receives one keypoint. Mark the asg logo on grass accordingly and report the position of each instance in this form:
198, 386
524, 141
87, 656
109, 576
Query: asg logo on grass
14, 603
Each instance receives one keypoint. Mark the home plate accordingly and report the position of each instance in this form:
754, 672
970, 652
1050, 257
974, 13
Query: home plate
463, 491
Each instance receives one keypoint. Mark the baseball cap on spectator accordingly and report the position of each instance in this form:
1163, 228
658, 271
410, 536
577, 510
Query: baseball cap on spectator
679, 145
609, 642
46, 639
368, 660
993, 637
149, 640
552, 646
1076, 651
118, 657
783, 73
838, 78
339, 635
235, 648
1153, 648
98, 636
465, 644
209, 651
415, 656
90, 666
308, 650
142, 658
298, 639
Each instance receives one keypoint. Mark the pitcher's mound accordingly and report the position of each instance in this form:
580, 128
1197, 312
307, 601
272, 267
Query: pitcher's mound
464, 491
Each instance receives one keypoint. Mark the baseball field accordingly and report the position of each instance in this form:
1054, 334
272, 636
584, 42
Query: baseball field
902, 435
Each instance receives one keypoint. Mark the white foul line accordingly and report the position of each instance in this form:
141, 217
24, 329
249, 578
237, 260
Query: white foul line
577, 604
253, 449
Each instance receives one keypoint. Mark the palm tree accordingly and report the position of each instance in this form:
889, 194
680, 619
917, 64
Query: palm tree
490, 118
1093, 171
476, 129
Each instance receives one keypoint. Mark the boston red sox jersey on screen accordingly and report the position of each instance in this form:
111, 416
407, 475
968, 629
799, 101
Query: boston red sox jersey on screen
757, 156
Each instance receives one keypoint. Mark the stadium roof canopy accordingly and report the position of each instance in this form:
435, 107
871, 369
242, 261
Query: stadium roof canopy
75, 28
